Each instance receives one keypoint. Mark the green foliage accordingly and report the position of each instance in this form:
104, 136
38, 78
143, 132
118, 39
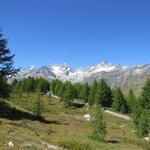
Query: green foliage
85, 92
119, 103
131, 101
30, 84
38, 107
73, 144
50, 130
91, 101
145, 96
103, 95
68, 95
78, 88
4, 87
42, 86
144, 123
141, 111
6, 66
6, 59
97, 124
92, 92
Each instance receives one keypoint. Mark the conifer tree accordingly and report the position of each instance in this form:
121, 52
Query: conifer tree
6, 66
78, 88
38, 107
119, 103
68, 95
91, 96
103, 95
98, 124
4, 88
85, 92
144, 123
131, 100
6, 59
145, 96
141, 111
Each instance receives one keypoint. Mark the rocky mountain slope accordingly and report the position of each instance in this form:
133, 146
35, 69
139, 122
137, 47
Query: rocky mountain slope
115, 75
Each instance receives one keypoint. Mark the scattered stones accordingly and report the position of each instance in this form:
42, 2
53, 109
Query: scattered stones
87, 117
146, 138
11, 144
122, 126
49, 146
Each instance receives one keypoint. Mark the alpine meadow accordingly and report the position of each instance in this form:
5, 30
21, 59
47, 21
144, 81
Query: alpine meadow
57, 89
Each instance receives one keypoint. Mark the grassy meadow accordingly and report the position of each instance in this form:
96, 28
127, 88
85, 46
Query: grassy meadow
61, 126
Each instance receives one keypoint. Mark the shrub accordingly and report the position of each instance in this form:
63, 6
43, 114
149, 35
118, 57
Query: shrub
74, 144
97, 124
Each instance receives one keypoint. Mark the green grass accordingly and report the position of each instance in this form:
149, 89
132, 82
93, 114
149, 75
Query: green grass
66, 128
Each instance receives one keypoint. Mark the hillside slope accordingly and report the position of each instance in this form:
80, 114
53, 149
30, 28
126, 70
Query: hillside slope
62, 126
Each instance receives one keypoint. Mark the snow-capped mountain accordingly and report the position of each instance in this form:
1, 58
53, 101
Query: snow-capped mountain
115, 75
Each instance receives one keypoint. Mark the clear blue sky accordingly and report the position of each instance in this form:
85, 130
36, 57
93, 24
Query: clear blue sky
77, 32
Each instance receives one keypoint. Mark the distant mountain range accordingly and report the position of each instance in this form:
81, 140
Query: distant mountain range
115, 75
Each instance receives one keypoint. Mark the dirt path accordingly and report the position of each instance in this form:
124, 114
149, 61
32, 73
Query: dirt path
125, 117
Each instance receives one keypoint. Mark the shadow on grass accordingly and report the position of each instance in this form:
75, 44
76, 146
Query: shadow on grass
113, 141
11, 113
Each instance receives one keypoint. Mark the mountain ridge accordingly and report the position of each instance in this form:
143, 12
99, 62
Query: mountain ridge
115, 74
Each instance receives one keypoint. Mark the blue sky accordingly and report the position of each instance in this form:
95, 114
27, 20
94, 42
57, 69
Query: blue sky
77, 32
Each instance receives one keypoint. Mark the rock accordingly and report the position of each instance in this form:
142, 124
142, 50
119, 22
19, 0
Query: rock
87, 117
49, 146
11, 144
122, 126
146, 138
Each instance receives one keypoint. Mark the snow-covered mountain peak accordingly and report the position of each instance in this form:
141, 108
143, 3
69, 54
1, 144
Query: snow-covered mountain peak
105, 63
115, 74
61, 69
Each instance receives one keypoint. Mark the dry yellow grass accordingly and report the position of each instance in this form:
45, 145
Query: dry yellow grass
65, 124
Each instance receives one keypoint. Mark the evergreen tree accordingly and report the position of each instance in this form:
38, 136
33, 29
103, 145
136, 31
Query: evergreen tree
43, 86
131, 100
98, 124
4, 88
38, 107
61, 90
85, 92
141, 111
91, 96
103, 95
6, 66
145, 96
29, 85
144, 123
78, 88
119, 103
92, 91
6, 59
68, 95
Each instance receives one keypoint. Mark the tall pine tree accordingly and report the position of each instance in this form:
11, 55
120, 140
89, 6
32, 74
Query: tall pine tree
6, 66
119, 103
103, 95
